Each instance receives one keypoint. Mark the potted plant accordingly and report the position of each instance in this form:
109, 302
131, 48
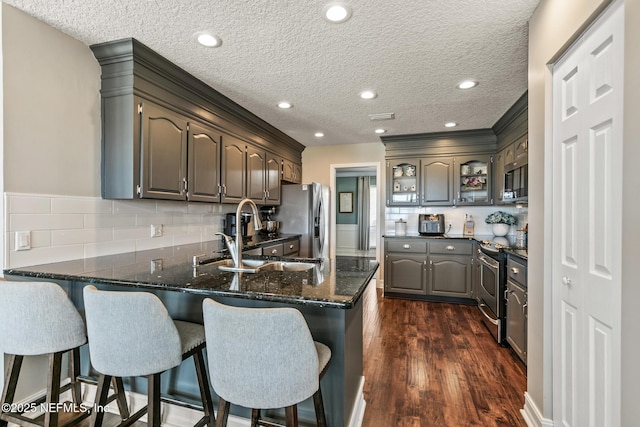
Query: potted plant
501, 222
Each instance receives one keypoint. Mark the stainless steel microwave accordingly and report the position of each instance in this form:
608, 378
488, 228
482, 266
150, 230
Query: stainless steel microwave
516, 182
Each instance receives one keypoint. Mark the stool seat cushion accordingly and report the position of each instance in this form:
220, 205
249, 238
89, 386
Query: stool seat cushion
191, 335
38, 318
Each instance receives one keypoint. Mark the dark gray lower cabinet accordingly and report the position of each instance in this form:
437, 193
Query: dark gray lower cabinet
516, 298
406, 273
517, 319
450, 276
437, 269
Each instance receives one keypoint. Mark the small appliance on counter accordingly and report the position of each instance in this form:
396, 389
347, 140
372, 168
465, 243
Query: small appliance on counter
431, 224
269, 226
230, 224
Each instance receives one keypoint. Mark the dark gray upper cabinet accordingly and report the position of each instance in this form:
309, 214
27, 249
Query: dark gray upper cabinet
204, 163
256, 164
234, 169
163, 156
437, 181
151, 152
273, 176
403, 182
436, 158
474, 180
291, 172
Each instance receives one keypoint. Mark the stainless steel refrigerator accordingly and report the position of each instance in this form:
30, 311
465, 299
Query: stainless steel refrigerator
304, 210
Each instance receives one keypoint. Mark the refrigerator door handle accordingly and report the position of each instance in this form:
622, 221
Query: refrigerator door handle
320, 231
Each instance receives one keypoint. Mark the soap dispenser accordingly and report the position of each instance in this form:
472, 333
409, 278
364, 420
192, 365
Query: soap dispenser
468, 226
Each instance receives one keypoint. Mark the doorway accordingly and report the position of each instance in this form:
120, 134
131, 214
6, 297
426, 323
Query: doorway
355, 212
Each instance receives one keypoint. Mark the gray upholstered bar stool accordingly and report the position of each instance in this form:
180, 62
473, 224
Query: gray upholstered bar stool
131, 334
263, 358
38, 318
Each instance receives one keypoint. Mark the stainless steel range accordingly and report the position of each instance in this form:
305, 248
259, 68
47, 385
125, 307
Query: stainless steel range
491, 288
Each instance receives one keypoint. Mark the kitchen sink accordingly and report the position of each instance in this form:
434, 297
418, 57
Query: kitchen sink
256, 265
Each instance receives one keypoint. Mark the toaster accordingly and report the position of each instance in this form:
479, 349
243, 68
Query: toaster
431, 224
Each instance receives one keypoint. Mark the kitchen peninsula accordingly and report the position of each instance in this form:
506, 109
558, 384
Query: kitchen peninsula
328, 295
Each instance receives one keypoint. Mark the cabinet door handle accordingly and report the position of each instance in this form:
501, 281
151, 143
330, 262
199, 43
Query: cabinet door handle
291, 246
451, 248
524, 309
514, 270
566, 281
274, 251
406, 246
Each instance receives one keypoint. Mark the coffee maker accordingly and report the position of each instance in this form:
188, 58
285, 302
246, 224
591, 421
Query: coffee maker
230, 224
269, 226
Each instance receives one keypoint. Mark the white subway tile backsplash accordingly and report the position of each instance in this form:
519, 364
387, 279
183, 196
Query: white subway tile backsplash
20, 222
134, 206
108, 248
131, 233
81, 205
45, 255
86, 235
29, 204
163, 218
68, 228
103, 220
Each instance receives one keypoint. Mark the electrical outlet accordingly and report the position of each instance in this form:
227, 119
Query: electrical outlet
23, 240
156, 265
156, 230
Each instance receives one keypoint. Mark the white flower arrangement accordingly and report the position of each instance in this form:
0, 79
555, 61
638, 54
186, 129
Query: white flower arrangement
501, 217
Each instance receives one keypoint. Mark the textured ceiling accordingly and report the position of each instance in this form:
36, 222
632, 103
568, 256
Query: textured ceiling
411, 52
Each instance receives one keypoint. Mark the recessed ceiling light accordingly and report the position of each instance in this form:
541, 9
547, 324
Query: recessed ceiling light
285, 105
450, 124
336, 12
380, 130
467, 84
208, 40
368, 94
319, 134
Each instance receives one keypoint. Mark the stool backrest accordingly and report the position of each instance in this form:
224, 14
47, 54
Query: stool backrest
260, 357
38, 318
130, 333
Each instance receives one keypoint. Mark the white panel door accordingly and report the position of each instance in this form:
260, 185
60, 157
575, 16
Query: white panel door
587, 201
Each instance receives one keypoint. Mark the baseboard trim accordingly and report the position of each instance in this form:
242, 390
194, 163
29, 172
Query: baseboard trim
532, 415
357, 414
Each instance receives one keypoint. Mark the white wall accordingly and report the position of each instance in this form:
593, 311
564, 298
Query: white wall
52, 110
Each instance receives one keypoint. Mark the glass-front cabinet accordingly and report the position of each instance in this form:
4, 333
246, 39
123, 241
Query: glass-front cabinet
404, 185
473, 180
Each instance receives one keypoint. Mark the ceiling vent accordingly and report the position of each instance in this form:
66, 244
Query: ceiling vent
382, 116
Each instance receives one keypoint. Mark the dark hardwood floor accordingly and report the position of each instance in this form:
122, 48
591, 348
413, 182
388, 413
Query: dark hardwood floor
436, 364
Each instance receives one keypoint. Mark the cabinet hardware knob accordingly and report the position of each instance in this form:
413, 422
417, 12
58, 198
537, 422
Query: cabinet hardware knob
274, 251
451, 248
406, 246
514, 270
291, 246
566, 281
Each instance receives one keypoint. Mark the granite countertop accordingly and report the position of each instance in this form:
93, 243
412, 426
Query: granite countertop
336, 283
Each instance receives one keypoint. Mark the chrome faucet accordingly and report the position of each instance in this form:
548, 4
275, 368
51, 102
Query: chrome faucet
236, 251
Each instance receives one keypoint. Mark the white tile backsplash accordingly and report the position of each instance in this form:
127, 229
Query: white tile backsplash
66, 228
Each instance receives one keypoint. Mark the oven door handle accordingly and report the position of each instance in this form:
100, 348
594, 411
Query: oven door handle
487, 315
489, 263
